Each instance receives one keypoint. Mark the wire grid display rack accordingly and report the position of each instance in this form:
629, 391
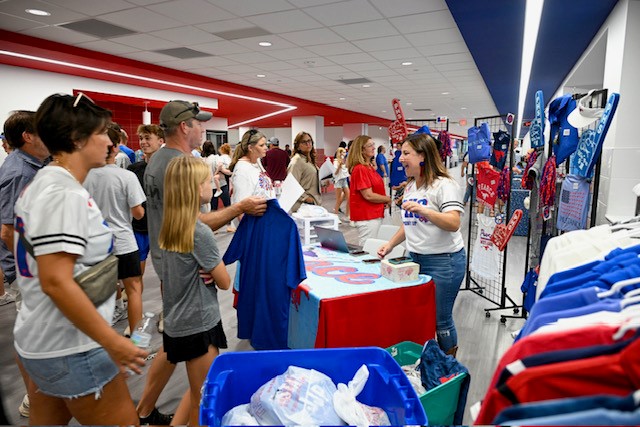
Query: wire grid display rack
491, 289
435, 126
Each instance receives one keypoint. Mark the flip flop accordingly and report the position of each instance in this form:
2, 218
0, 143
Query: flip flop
536, 131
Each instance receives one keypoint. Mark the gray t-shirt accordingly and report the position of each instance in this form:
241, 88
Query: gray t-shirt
154, 189
189, 306
116, 191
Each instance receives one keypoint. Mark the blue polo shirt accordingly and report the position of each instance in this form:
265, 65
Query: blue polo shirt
16, 172
381, 160
270, 251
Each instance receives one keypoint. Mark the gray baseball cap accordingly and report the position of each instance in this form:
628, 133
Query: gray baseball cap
176, 112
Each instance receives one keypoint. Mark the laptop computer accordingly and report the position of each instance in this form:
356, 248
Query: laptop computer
334, 240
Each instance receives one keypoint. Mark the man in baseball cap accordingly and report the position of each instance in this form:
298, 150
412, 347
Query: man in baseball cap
176, 112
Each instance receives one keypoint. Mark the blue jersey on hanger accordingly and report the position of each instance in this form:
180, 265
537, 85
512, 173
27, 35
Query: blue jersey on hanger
270, 252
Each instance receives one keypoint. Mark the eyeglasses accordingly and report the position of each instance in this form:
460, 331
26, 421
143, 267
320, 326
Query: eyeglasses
79, 97
194, 107
306, 142
369, 145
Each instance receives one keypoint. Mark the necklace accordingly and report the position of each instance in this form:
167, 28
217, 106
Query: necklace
62, 165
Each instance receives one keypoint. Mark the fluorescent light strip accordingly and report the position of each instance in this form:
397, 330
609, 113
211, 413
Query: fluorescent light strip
533, 13
287, 107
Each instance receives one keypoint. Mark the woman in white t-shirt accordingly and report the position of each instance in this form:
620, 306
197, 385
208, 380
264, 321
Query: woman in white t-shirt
249, 178
431, 215
73, 357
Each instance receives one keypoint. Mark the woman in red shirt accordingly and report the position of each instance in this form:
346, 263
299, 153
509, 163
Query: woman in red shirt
368, 197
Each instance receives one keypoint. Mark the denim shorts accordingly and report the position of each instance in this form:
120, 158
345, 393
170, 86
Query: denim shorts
72, 376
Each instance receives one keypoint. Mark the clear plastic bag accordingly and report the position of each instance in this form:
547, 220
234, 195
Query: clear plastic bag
297, 397
239, 416
353, 412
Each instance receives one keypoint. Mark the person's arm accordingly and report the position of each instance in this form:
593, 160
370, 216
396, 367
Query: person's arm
448, 221
370, 196
137, 212
221, 276
253, 205
463, 167
6, 234
56, 279
395, 240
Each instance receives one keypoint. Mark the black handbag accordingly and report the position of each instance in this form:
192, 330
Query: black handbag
99, 281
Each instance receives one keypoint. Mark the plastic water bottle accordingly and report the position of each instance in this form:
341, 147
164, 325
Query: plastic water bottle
141, 335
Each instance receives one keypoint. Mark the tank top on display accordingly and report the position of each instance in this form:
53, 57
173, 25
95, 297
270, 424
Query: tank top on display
486, 256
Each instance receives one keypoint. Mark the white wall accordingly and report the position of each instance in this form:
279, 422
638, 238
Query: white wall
25, 89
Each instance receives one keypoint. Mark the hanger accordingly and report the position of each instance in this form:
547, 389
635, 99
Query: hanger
625, 302
632, 293
619, 285
627, 326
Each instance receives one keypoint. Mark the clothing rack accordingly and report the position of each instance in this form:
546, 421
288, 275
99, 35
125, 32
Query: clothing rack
495, 290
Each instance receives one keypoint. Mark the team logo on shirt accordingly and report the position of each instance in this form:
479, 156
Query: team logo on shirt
412, 218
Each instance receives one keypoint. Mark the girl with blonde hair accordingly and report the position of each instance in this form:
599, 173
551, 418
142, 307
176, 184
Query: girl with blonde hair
193, 330
341, 180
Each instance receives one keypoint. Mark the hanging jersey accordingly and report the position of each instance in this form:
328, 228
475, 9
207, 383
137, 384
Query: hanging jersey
270, 251
55, 214
487, 184
486, 256
422, 236
500, 146
574, 203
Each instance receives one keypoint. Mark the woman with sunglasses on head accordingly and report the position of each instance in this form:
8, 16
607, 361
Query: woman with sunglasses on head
65, 343
304, 170
248, 177
368, 196
431, 215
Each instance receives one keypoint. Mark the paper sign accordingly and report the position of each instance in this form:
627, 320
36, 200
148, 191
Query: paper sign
291, 191
502, 233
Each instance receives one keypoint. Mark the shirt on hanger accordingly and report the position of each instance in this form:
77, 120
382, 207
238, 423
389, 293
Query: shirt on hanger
485, 260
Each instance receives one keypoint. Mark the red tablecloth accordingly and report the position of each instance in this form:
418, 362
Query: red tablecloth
382, 318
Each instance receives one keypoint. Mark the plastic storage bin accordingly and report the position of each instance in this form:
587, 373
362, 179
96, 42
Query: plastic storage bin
234, 377
439, 403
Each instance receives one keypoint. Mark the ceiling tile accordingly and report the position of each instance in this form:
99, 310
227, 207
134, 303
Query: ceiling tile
428, 38
145, 42
441, 49
329, 69
366, 66
417, 23
352, 58
150, 57
399, 54
252, 7
141, 19
366, 30
59, 15
374, 74
456, 66
93, 7
449, 59
226, 25
14, 23
334, 49
240, 69
279, 66
59, 34
250, 58
145, 2
346, 12
288, 54
221, 48
186, 36
191, 11
312, 37
408, 7
212, 61
282, 22
107, 46
311, 62
295, 72
383, 43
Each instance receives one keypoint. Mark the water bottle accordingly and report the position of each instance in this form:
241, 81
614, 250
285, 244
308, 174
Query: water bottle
277, 185
141, 335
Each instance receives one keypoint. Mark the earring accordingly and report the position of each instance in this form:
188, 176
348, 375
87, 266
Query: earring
421, 168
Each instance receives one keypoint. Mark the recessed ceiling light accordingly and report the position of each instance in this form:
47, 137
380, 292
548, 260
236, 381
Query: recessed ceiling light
433, 114
342, 99
366, 85
407, 63
265, 44
261, 75
409, 103
37, 12
384, 111
332, 122
463, 108
445, 93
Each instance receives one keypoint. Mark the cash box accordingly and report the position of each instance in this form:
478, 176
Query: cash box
404, 272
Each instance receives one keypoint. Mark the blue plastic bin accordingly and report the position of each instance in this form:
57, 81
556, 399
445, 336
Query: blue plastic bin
234, 377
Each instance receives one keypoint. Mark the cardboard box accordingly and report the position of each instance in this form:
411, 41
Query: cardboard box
405, 272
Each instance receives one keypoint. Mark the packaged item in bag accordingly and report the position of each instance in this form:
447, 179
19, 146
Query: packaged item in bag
239, 416
355, 413
298, 397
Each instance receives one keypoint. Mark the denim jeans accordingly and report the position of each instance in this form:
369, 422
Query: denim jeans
447, 271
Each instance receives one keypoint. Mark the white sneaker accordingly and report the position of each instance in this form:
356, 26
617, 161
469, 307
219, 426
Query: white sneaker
217, 193
24, 406
161, 323
127, 332
7, 298
119, 314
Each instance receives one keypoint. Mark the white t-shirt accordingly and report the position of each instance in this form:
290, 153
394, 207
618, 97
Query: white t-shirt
56, 214
250, 179
422, 237
486, 256
116, 191
225, 161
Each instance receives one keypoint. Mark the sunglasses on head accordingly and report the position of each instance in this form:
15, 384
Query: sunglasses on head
79, 97
194, 107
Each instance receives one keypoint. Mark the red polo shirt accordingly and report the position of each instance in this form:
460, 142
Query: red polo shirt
363, 177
